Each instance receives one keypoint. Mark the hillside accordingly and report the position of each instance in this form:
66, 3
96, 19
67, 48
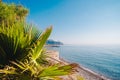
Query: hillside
53, 42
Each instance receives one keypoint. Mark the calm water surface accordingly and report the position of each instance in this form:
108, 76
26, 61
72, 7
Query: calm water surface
104, 60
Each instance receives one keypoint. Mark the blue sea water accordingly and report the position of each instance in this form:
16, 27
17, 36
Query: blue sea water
104, 60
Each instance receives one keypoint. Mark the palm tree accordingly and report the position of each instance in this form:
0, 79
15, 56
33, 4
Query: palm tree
22, 51
15, 42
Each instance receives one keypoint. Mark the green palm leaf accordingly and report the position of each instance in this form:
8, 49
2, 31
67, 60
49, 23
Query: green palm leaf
56, 70
38, 45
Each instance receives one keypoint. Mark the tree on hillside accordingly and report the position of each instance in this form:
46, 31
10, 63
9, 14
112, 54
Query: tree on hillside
10, 13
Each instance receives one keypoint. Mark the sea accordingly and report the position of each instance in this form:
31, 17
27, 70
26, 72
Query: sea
104, 60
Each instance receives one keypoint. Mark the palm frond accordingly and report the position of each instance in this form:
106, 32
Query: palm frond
14, 41
42, 59
56, 70
8, 70
37, 47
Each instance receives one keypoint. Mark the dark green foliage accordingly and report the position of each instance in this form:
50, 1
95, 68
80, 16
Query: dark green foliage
14, 42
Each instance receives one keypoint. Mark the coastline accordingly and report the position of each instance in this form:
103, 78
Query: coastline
84, 72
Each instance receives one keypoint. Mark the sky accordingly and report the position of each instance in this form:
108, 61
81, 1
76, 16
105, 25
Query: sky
78, 22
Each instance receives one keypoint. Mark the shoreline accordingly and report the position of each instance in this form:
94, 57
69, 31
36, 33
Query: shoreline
88, 71
82, 71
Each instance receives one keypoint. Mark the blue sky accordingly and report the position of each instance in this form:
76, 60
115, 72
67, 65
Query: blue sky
77, 21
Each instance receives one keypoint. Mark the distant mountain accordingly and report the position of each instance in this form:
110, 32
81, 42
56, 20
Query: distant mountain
53, 42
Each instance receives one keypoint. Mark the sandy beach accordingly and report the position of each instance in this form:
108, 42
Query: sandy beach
81, 71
